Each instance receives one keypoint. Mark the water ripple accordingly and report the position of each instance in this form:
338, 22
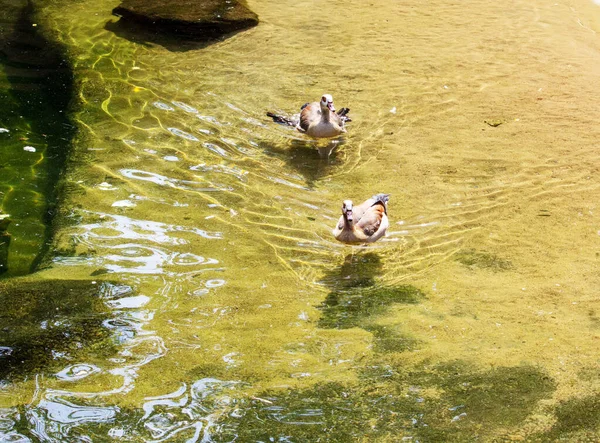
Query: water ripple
185, 107
183, 134
163, 106
170, 182
126, 228
77, 372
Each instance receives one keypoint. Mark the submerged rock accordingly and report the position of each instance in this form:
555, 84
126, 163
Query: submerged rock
195, 20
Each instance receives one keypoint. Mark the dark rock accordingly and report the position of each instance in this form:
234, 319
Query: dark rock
201, 20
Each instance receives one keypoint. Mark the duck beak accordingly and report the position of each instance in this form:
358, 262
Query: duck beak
330, 106
349, 215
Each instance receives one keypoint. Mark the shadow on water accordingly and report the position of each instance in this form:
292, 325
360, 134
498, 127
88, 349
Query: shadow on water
577, 419
310, 160
38, 133
357, 300
449, 402
47, 323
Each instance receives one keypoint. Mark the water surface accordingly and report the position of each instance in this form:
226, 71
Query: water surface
233, 312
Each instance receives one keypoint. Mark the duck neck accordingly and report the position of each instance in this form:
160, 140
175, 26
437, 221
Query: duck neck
347, 223
325, 114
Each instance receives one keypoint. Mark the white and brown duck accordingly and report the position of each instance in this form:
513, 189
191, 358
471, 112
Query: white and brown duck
317, 119
365, 223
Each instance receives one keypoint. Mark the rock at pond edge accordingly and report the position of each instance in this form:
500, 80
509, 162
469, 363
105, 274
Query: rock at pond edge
198, 20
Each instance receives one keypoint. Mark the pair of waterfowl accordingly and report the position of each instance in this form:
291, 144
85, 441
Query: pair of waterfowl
367, 222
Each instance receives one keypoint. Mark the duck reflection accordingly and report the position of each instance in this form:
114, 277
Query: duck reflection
356, 296
313, 159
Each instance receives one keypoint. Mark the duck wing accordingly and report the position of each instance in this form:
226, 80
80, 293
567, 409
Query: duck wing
371, 220
379, 199
311, 113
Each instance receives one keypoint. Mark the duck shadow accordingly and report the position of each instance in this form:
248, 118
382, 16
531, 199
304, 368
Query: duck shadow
357, 300
311, 159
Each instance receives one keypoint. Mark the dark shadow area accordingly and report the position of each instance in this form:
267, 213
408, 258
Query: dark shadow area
311, 159
181, 25
576, 419
46, 324
451, 402
34, 109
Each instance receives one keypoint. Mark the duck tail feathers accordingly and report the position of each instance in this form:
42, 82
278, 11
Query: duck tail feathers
343, 113
281, 119
383, 198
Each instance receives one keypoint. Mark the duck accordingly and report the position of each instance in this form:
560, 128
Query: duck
317, 119
365, 223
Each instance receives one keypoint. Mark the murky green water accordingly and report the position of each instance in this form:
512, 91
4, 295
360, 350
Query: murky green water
215, 304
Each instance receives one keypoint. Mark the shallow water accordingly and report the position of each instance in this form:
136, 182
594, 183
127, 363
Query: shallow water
206, 229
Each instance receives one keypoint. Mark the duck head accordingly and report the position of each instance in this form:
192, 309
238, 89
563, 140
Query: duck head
347, 210
327, 103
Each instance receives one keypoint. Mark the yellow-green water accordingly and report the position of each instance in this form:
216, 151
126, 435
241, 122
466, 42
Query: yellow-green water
208, 229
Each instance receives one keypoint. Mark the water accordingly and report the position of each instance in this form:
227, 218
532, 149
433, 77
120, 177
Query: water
231, 311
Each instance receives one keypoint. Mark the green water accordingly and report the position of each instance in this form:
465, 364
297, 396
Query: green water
215, 304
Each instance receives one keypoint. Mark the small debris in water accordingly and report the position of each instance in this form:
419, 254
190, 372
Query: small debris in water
393, 110
29, 149
171, 158
493, 123
3, 130
459, 416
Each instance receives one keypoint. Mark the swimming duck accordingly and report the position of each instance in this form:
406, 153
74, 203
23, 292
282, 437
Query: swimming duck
365, 223
317, 119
